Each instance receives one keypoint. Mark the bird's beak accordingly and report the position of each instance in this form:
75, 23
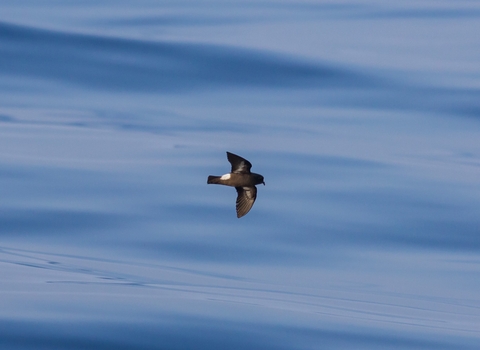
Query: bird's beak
263, 182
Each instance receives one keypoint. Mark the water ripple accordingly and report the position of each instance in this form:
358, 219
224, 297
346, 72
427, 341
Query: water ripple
134, 65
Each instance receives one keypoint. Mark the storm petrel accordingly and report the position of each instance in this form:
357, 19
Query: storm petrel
243, 180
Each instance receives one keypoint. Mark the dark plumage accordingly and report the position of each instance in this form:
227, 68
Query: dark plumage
243, 180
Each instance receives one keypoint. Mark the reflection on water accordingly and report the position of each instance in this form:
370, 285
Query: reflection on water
365, 236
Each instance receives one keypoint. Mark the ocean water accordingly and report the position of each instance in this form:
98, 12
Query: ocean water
364, 118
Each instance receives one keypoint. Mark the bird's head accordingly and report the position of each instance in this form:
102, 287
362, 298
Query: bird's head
259, 179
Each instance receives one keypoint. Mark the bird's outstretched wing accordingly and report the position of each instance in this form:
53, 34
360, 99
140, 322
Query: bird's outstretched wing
245, 199
239, 165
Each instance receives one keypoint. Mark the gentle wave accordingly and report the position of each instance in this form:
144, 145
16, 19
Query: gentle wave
190, 305
133, 65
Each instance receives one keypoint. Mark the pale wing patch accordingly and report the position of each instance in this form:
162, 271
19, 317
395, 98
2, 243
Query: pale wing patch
245, 199
225, 177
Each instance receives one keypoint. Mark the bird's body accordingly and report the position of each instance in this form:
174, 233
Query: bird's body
236, 180
243, 180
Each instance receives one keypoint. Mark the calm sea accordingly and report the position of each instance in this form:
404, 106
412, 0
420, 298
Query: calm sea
363, 116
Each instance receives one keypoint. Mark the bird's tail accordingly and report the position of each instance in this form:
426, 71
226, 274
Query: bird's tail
213, 179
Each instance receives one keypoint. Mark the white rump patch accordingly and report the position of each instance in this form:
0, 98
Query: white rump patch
225, 177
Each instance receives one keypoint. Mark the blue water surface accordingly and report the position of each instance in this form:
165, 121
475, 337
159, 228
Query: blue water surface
364, 118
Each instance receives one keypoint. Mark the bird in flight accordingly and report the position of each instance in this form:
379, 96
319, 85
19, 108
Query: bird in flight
243, 180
